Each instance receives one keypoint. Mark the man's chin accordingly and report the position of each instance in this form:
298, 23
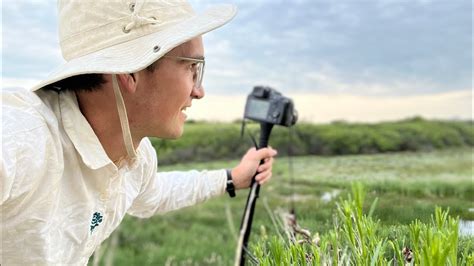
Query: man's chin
168, 133
174, 135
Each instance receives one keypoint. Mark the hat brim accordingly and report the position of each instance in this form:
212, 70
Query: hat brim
137, 54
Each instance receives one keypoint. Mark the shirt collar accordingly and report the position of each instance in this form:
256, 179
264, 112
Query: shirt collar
80, 132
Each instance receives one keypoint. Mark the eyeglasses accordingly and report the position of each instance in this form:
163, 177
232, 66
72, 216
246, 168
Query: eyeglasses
197, 68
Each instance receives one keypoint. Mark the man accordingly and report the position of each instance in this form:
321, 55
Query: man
75, 152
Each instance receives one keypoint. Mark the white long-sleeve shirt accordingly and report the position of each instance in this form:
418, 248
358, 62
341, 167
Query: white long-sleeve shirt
61, 194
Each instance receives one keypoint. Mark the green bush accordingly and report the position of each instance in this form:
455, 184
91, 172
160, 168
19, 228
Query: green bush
210, 141
359, 239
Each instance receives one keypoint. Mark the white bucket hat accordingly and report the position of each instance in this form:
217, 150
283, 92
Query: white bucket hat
125, 36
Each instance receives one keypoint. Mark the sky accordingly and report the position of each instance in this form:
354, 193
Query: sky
353, 60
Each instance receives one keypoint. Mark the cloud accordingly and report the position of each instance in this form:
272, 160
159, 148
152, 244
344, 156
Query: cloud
322, 108
425, 45
29, 39
368, 48
354, 60
9, 83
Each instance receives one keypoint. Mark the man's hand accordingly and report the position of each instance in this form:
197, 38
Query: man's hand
250, 164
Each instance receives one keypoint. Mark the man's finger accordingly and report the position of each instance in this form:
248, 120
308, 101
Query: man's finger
263, 175
266, 153
264, 180
267, 165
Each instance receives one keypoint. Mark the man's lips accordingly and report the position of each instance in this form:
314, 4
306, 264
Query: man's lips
183, 110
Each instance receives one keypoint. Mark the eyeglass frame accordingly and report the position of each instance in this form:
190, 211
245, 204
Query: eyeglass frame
200, 75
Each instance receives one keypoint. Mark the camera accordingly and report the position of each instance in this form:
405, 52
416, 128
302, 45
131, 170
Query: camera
267, 105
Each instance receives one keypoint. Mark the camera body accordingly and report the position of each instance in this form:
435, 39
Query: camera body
267, 105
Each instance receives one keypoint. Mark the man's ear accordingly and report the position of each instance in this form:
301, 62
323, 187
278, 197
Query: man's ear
127, 82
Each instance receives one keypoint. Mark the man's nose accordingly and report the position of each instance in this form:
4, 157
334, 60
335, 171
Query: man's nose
198, 93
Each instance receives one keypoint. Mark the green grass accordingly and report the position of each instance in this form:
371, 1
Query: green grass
408, 186
358, 239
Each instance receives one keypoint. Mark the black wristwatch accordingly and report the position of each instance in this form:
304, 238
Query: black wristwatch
230, 188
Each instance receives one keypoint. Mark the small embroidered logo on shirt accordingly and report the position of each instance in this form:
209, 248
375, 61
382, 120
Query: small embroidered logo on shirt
96, 220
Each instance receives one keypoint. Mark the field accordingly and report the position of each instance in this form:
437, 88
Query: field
408, 186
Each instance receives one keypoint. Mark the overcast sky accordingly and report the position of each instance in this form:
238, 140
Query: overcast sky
368, 49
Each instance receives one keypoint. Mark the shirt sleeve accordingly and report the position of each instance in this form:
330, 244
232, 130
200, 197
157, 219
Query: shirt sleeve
24, 160
26, 147
167, 191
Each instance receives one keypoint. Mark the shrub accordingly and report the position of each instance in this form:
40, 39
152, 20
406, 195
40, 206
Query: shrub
211, 141
358, 239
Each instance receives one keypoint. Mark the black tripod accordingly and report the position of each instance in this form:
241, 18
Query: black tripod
246, 225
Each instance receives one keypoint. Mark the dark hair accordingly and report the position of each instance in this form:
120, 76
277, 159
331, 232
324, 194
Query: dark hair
86, 82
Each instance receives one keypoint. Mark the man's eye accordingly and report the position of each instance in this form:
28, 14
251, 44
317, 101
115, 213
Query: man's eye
193, 66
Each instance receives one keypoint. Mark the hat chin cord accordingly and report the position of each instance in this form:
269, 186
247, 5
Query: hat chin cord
127, 136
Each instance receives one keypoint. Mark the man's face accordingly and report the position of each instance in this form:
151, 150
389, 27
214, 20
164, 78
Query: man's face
165, 93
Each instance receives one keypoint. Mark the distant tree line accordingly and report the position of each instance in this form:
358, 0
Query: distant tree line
204, 141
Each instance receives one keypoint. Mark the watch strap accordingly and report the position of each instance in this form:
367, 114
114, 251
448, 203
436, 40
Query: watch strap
230, 188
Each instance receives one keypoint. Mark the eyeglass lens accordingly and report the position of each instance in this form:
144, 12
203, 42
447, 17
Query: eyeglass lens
198, 74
